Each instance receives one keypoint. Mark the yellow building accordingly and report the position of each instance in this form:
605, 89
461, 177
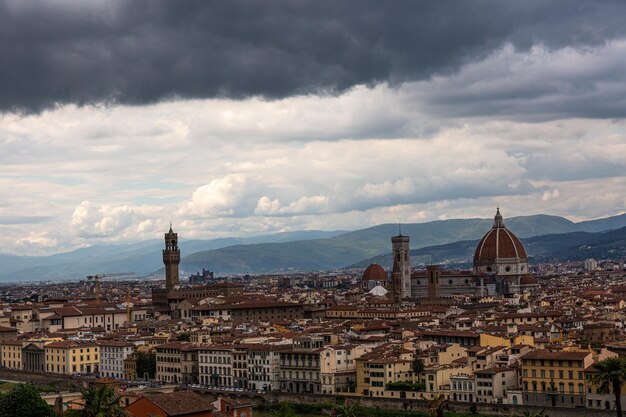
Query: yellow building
70, 357
445, 354
554, 378
11, 354
22, 316
596, 398
491, 340
436, 379
386, 364
130, 368
373, 375
338, 368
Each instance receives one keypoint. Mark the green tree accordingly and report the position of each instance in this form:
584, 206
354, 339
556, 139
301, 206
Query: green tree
24, 400
418, 365
406, 386
285, 410
610, 376
102, 401
146, 364
183, 337
346, 409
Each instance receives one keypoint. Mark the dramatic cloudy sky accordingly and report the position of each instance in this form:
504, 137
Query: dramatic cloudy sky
249, 117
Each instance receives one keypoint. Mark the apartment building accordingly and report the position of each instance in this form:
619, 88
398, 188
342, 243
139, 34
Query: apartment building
463, 388
492, 384
264, 367
555, 378
240, 366
338, 368
190, 364
112, 355
169, 362
301, 365
216, 365
71, 357
12, 354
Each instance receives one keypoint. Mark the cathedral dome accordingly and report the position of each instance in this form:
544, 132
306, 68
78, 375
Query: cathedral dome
500, 251
498, 243
374, 272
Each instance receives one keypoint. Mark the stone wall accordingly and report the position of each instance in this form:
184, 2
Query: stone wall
409, 405
63, 382
419, 405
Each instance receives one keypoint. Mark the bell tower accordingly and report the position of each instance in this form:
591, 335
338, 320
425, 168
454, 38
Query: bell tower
396, 282
400, 245
171, 259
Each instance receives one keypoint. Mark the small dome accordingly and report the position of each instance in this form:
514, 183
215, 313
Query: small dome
528, 280
374, 272
499, 243
378, 291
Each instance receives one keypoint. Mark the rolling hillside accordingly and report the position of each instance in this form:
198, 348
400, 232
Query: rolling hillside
349, 248
575, 246
142, 258
305, 250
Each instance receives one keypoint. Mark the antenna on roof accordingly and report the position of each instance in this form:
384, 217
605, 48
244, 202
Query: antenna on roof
399, 229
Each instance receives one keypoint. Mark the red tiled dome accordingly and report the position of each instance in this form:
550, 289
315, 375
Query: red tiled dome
374, 272
499, 243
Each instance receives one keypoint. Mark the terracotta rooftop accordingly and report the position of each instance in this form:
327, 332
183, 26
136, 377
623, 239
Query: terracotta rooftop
499, 243
181, 403
546, 354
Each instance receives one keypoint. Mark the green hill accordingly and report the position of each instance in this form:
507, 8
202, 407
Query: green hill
575, 246
300, 250
351, 247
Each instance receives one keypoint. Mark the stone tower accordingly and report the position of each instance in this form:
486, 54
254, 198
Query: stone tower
396, 282
433, 281
400, 245
171, 259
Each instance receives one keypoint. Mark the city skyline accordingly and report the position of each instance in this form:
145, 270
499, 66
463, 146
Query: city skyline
121, 117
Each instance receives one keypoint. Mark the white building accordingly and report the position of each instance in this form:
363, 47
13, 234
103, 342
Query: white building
338, 367
112, 355
590, 264
264, 367
492, 384
215, 365
463, 388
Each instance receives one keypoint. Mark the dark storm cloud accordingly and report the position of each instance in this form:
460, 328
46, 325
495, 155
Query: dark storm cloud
141, 51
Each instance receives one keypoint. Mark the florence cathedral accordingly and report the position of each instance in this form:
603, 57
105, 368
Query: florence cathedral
500, 268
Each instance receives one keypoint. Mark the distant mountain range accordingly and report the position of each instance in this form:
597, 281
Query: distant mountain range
574, 246
303, 250
141, 258
351, 247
